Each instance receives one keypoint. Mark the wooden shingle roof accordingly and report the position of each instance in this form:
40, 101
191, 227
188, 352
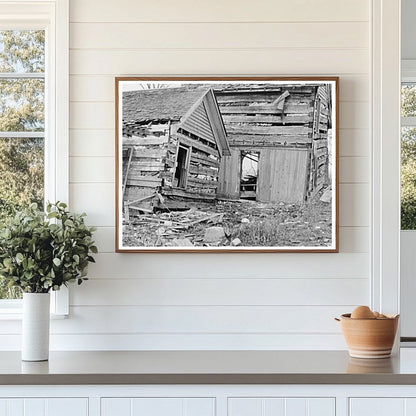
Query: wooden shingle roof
159, 104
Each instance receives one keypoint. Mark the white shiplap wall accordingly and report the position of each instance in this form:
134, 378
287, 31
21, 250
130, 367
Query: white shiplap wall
218, 301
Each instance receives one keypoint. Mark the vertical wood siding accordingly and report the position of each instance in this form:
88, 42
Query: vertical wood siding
262, 301
274, 183
230, 171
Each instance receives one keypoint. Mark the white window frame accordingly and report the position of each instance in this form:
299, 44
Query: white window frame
53, 17
407, 236
385, 150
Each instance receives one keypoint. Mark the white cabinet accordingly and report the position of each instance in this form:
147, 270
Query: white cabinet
208, 400
382, 406
44, 407
269, 406
160, 406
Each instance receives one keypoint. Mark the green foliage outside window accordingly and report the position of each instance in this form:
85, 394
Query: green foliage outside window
21, 110
408, 160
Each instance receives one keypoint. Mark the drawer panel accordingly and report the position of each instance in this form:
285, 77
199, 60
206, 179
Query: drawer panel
44, 407
281, 406
158, 406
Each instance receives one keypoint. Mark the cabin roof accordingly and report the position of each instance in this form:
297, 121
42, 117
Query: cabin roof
159, 104
178, 105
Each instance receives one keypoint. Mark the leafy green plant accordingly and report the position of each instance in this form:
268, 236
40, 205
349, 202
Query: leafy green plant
43, 251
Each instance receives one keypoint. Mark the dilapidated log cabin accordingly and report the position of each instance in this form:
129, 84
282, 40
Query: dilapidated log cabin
282, 130
173, 141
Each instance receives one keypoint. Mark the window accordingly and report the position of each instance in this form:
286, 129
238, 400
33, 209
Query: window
22, 124
33, 111
408, 156
249, 173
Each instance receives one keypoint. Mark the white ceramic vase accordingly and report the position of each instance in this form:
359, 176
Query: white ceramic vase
35, 326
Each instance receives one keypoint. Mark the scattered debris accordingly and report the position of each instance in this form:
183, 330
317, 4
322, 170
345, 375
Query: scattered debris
214, 234
236, 242
326, 196
241, 223
182, 242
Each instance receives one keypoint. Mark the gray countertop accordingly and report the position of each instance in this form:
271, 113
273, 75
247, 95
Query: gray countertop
208, 367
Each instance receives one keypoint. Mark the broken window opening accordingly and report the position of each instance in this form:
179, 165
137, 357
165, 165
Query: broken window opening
249, 174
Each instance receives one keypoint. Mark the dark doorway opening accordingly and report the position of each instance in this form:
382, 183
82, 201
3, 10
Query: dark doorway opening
181, 171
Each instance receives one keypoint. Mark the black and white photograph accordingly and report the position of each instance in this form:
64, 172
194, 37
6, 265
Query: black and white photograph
231, 164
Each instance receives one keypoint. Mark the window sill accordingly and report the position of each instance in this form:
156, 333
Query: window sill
13, 315
11, 309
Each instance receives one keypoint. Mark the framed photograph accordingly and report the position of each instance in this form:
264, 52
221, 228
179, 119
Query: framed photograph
227, 164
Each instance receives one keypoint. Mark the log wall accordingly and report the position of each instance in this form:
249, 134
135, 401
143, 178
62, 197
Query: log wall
202, 176
291, 137
151, 151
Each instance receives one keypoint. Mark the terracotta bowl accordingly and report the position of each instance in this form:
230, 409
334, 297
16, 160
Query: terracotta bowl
369, 366
369, 338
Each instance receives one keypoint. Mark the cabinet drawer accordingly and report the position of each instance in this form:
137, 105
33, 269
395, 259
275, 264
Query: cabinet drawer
158, 406
377, 406
280, 406
44, 407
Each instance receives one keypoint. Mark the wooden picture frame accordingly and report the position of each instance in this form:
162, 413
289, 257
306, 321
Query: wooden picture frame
227, 164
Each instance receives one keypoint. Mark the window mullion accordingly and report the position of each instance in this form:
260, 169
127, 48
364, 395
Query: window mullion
22, 134
408, 121
22, 75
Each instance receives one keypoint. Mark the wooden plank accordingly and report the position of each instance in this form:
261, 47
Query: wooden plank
257, 140
222, 291
144, 184
134, 193
266, 95
187, 194
229, 175
323, 151
144, 174
330, 11
140, 164
323, 127
323, 118
144, 61
322, 142
266, 109
199, 158
142, 209
126, 170
202, 182
153, 180
263, 180
260, 118
237, 35
146, 169
263, 88
320, 266
149, 153
198, 145
136, 201
324, 111
199, 170
269, 130
144, 141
